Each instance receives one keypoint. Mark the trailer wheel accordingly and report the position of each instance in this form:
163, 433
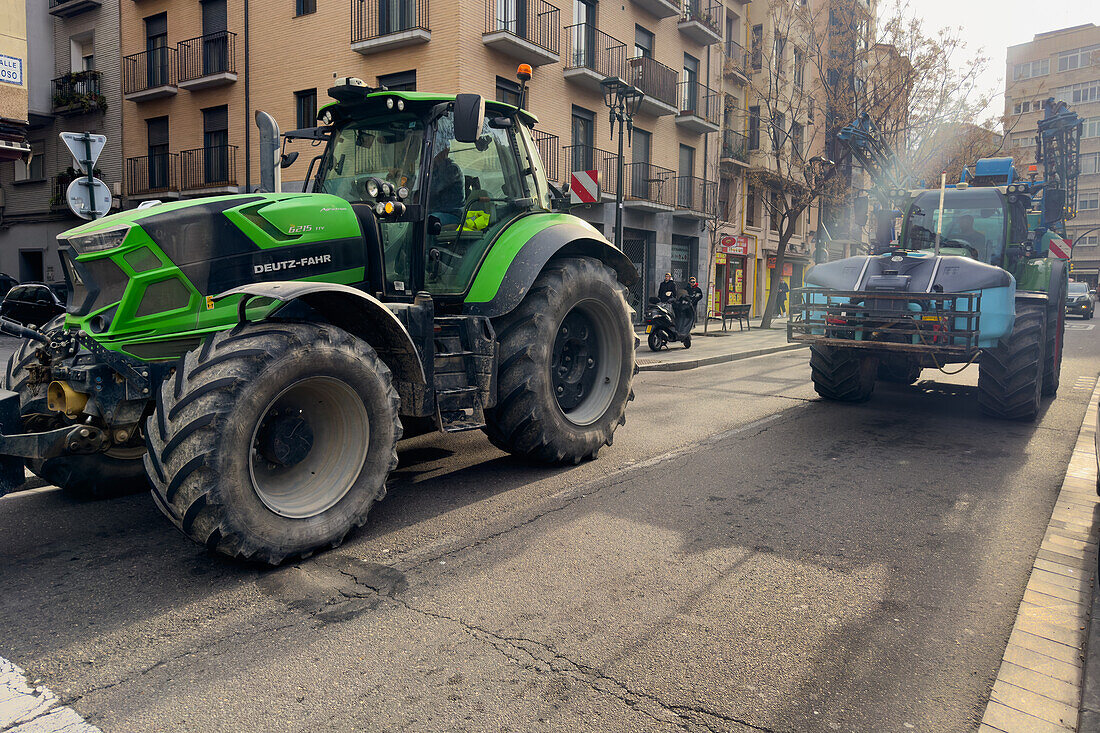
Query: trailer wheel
842, 374
566, 365
117, 472
273, 440
1055, 336
1010, 378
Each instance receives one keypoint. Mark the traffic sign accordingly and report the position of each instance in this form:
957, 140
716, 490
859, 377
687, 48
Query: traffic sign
85, 147
1060, 248
584, 187
89, 205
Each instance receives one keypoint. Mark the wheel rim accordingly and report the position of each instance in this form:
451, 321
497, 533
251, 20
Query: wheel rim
308, 447
585, 363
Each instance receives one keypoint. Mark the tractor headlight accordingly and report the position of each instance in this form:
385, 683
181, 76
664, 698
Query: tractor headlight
380, 209
372, 188
401, 105
403, 192
387, 189
389, 102
98, 241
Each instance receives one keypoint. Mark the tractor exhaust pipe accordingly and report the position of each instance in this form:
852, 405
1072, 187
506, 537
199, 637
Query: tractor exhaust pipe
271, 178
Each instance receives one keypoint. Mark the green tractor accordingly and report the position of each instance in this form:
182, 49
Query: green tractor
256, 357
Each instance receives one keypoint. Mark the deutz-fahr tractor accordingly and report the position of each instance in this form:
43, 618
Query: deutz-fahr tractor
967, 279
256, 357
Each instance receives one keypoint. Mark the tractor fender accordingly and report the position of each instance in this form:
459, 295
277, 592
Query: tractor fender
509, 271
354, 311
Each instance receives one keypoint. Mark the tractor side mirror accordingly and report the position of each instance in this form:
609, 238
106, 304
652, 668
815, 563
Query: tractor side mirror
288, 159
469, 117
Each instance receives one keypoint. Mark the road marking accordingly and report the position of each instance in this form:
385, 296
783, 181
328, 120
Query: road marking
34, 709
1080, 326
1084, 383
1033, 690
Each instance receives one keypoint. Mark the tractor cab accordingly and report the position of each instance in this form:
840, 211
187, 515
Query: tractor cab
432, 179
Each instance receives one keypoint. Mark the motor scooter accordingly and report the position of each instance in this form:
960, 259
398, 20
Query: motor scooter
670, 320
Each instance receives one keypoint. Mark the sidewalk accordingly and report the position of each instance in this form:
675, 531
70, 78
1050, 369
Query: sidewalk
715, 347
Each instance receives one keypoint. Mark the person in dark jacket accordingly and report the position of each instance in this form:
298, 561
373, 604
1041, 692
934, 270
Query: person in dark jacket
781, 298
694, 291
667, 290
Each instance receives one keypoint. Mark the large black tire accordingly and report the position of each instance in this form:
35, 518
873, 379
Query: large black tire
117, 472
1010, 378
842, 374
242, 399
530, 419
899, 372
1055, 337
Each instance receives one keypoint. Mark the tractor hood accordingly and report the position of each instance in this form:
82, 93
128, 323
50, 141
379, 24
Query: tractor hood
917, 272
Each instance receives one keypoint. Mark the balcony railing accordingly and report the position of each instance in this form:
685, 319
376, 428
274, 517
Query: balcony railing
149, 69
700, 100
589, 158
371, 19
735, 146
709, 14
78, 93
535, 21
591, 48
158, 173
737, 59
214, 53
648, 182
695, 194
213, 167
549, 147
654, 79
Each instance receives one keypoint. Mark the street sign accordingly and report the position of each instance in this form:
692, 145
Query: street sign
584, 187
85, 147
89, 206
1060, 248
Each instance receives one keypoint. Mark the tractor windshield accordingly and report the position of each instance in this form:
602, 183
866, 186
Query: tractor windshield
386, 148
973, 223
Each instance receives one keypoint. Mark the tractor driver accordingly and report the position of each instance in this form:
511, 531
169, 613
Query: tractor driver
965, 231
445, 193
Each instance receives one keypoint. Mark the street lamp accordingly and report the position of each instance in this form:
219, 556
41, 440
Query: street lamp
818, 164
622, 102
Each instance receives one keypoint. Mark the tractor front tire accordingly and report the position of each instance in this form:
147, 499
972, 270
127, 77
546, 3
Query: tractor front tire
88, 477
273, 440
566, 365
842, 374
1055, 337
1010, 377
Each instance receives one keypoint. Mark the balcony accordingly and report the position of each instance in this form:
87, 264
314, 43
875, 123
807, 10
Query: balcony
649, 187
700, 107
527, 30
735, 149
701, 21
69, 8
657, 82
660, 8
153, 176
695, 198
77, 93
549, 147
207, 61
589, 158
736, 65
591, 56
208, 171
378, 26
150, 74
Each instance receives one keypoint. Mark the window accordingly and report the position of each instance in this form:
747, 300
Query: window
583, 137
643, 42
156, 50
1031, 69
1089, 240
1022, 140
1090, 163
778, 44
779, 130
798, 62
685, 191
773, 210
215, 143
36, 169
641, 185
1086, 91
1076, 58
305, 7
1021, 108
750, 206
1090, 127
1088, 200
402, 81
796, 139
507, 91
754, 128
689, 96
156, 135
757, 46
305, 104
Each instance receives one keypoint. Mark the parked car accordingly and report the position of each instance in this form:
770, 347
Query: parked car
31, 304
7, 282
1080, 301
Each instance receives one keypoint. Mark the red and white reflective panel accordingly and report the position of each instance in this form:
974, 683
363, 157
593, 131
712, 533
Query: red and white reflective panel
1060, 248
584, 187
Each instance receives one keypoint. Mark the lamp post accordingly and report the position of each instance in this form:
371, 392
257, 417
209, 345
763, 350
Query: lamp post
818, 164
622, 102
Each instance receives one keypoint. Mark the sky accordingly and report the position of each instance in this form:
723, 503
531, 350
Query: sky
994, 25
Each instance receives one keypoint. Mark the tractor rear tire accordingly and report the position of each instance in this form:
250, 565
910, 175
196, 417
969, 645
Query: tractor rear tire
842, 374
273, 440
88, 477
1056, 336
566, 365
1010, 377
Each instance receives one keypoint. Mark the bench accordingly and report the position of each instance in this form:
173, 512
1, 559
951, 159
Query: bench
739, 313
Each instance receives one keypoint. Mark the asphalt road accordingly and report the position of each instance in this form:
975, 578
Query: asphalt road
745, 557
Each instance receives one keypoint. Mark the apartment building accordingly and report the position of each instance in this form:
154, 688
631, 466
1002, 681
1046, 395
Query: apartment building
73, 85
1063, 64
13, 81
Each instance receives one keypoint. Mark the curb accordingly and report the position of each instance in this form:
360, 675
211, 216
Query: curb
679, 366
1039, 684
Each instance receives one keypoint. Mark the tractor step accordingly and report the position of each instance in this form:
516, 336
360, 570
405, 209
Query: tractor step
464, 364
